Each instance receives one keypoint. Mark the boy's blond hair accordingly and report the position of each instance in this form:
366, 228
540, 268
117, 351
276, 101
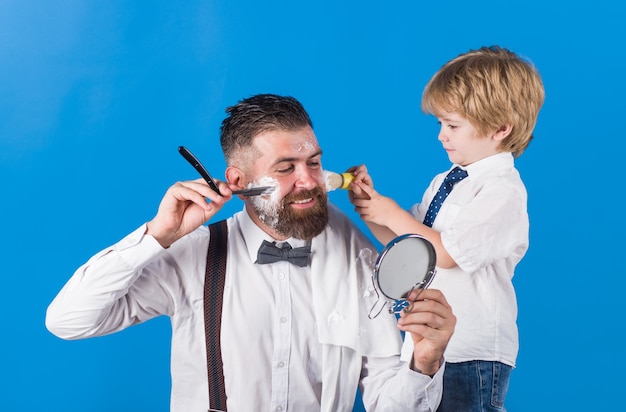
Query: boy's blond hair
491, 87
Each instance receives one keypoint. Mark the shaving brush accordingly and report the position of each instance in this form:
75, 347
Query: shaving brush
338, 180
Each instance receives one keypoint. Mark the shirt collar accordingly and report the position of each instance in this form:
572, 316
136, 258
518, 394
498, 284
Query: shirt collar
503, 160
253, 235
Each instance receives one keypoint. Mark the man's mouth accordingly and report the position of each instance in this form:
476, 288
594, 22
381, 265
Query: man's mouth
304, 199
303, 203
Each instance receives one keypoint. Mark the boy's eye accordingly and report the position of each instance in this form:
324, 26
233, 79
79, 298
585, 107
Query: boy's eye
447, 125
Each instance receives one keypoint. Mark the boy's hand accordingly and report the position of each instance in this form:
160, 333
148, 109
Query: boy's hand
372, 206
360, 176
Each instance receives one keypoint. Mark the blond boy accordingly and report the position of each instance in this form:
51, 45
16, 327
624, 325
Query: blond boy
487, 102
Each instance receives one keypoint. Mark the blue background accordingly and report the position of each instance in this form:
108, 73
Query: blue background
96, 96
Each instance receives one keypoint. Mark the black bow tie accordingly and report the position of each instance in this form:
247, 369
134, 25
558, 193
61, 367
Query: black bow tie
270, 253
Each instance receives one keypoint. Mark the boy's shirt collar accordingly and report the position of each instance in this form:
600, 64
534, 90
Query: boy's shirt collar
503, 160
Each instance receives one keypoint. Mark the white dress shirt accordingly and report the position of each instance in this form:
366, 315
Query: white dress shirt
292, 338
484, 227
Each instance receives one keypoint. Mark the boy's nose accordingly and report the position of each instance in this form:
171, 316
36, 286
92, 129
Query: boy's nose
442, 136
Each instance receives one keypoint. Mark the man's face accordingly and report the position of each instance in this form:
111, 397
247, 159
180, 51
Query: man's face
291, 161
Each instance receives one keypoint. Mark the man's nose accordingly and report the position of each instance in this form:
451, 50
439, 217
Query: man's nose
306, 178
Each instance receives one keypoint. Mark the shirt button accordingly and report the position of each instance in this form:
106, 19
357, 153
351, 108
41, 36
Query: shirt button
281, 276
283, 320
279, 408
281, 364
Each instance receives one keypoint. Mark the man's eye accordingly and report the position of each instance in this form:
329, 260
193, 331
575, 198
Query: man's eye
285, 170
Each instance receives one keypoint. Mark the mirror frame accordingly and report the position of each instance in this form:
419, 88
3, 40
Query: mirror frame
397, 304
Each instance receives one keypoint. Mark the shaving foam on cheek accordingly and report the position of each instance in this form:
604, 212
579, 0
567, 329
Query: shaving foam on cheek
326, 176
270, 181
267, 205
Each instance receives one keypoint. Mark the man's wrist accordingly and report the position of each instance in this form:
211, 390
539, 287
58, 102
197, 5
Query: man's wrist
162, 240
431, 371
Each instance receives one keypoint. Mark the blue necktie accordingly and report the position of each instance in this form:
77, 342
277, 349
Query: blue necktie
270, 253
455, 176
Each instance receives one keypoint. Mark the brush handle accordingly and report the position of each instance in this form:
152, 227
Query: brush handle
346, 179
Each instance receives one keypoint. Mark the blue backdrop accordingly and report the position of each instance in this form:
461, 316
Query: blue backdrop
96, 96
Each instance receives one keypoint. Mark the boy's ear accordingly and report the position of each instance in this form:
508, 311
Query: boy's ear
502, 132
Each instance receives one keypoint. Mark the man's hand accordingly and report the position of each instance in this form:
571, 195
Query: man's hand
184, 208
431, 323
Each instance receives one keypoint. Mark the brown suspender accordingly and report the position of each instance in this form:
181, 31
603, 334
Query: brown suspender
213, 297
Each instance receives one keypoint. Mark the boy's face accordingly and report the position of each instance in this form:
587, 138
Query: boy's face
291, 161
463, 143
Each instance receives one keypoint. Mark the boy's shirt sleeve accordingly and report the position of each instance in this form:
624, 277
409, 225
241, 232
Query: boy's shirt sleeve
490, 226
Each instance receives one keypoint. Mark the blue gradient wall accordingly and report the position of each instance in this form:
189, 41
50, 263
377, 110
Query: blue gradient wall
95, 98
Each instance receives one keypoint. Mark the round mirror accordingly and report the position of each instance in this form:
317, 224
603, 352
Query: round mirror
406, 263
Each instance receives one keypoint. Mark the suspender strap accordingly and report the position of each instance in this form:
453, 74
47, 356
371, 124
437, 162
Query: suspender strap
213, 297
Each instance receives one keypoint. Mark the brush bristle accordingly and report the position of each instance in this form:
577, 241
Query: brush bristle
334, 181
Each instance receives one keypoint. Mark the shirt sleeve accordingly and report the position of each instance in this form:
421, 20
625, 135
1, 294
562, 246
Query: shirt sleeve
490, 227
399, 387
114, 289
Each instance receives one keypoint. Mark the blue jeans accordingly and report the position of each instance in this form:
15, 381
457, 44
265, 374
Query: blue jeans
475, 386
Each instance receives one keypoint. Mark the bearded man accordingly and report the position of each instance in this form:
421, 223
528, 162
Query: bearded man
293, 331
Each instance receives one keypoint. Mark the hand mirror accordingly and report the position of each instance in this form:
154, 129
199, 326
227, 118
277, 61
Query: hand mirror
405, 264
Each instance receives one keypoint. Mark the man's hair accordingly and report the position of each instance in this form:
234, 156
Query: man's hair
491, 87
258, 114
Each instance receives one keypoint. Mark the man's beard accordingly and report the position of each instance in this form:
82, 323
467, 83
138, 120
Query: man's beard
297, 223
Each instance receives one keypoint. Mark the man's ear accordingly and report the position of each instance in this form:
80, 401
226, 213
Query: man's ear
502, 132
236, 176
